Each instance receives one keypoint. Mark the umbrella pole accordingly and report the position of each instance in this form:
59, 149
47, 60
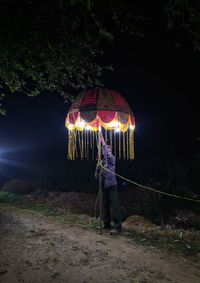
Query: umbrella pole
100, 179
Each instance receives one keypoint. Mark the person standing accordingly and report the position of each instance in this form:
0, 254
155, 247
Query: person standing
109, 189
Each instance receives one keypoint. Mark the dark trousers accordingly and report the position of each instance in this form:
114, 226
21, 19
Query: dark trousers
111, 201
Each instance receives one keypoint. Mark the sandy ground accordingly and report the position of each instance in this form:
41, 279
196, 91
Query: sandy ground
35, 248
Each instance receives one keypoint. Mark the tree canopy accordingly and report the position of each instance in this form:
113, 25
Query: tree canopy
56, 45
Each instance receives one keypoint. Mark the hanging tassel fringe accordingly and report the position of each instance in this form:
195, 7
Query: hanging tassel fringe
83, 144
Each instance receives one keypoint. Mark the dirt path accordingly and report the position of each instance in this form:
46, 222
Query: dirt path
38, 249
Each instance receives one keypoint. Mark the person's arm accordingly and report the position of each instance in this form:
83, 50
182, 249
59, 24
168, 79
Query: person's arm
102, 138
103, 146
105, 152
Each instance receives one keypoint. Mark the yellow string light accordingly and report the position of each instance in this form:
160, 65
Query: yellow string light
115, 143
119, 145
127, 151
92, 145
131, 144
82, 144
111, 141
124, 146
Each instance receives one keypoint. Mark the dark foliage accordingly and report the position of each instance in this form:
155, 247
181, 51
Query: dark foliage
56, 45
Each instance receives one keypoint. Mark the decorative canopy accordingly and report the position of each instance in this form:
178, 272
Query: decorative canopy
95, 110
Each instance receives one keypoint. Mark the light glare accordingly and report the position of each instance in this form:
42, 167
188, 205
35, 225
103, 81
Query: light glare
88, 127
70, 126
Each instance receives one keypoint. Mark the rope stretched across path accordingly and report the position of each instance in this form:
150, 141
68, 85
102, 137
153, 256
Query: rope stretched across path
151, 189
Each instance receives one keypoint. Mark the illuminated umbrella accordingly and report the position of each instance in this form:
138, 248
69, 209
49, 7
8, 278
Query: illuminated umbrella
95, 111
98, 110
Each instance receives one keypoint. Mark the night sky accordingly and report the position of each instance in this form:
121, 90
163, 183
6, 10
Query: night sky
161, 84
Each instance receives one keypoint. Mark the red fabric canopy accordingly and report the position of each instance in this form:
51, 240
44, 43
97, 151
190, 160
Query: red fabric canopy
100, 106
100, 99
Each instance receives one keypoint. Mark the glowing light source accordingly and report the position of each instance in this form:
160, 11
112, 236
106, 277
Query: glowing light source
70, 127
88, 127
117, 130
132, 127
114, 124
81, 124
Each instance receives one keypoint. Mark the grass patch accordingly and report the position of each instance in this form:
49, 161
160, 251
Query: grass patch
184, 242
61, 215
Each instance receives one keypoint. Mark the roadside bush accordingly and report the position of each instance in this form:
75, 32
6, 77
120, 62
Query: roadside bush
18, 186
6, 197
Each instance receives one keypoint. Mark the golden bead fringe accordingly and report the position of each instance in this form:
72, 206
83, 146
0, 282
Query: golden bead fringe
83, 144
